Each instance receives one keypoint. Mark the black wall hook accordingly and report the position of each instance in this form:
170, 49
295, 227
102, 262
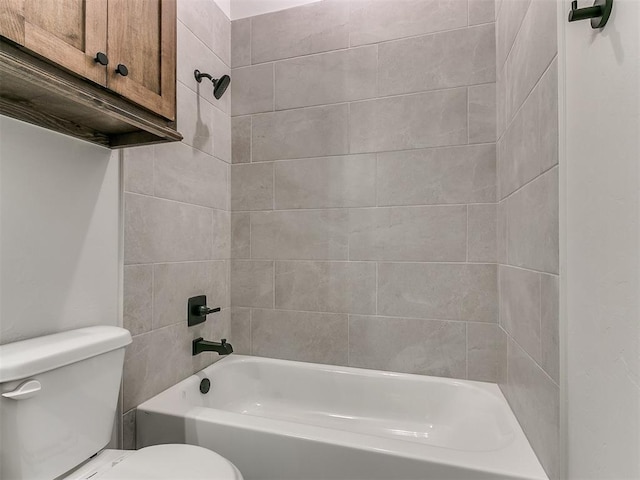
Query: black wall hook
599, 13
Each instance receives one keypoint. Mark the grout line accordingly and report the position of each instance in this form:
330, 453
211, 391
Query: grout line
164, 199
515, 38
362, 100
544, 172
369, 314
273, 74
466, 350
509, 122
468, 115
366, 207
377, 282
371, 44
467, 233
346, 154
250, 331
250, 41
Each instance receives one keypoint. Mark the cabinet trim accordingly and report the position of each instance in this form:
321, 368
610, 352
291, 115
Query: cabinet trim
43, 84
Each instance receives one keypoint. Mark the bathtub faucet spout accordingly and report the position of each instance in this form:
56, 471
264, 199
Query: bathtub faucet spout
200, 345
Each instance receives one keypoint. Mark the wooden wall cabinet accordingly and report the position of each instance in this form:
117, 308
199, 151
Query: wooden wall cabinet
49, 75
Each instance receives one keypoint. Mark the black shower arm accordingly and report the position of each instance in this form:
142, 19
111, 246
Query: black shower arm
198, 74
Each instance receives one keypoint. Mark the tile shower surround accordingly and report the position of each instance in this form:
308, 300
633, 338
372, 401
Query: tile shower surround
363, 186
177, 221
365, 198
528, 252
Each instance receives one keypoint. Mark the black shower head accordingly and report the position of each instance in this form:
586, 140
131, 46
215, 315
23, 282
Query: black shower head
220, 85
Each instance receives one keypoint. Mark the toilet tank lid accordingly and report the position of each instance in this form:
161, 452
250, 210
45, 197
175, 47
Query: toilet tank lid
23, 359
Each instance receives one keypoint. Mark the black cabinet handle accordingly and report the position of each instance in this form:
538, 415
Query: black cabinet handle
122, 70
101, 58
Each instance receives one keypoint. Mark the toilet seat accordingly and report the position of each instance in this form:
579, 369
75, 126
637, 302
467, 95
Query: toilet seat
161, 462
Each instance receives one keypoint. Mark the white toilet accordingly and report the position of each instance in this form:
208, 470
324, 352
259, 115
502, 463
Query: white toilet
58, 398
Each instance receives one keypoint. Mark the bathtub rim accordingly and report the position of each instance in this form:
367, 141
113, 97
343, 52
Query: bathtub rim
516, 459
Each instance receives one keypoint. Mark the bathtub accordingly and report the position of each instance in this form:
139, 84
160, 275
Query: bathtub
278, 419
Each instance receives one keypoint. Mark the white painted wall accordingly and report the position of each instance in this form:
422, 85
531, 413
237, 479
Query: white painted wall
59, 233
601, 266
249, 8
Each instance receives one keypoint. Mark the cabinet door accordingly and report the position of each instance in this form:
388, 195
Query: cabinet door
69, 33
142, 37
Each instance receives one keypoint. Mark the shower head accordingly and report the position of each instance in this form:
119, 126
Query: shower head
220, 85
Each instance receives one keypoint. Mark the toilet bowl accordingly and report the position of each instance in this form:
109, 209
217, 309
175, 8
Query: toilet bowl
164, 462
58, 399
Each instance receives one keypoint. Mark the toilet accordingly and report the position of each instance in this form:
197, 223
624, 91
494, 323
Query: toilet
58, 399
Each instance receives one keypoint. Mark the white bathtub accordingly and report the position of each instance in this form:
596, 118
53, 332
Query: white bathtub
277, 419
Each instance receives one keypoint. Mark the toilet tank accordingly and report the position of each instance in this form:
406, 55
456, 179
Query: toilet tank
58, 399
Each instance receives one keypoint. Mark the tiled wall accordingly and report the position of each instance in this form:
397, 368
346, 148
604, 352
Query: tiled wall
177, 221
528, 217
363, 186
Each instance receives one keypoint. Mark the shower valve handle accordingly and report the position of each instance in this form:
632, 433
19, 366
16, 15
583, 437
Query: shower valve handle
197, 310
203, 310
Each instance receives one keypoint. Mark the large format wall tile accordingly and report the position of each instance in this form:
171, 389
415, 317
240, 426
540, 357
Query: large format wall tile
193, 54
520, 307
164, 231
413, 121
550, 325
252, 89
482, 235
486, 351
439, 291
301, 336
535, 400
161, 358
326, 78
241, 43
300, 235
442, 60
241, 330
423, 234
241, 139
313, 28
252, 186
482, 113
426, 347
509, 20
221, 234
307, 132
530, 145
252, 283
138, 168
175, 283
341, 287
137, 298
380, 149
188, 175
240, 235
482, 11
221, 125
346, 181
533, 225
436, 176
209, 24
535, 47
373, 21
194, 119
